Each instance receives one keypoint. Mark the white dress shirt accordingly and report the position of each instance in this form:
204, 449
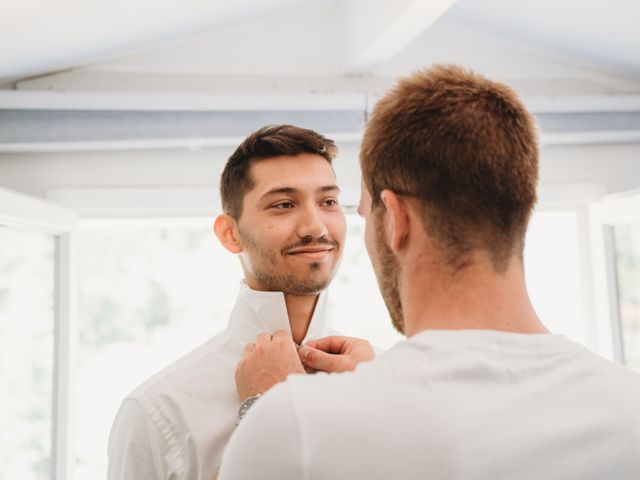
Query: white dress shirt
461, 405
176, 424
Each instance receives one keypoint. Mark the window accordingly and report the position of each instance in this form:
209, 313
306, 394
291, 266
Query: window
552, 268
26, 353
627, 267
356, 307
554, 272
36, 326
615, 244
149, 293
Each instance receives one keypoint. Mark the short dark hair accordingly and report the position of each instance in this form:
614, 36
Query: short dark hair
268, 142
466, 148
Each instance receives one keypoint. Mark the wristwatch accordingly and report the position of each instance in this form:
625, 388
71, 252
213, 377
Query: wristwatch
244, 408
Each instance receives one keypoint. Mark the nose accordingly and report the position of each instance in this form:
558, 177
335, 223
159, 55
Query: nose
312, 224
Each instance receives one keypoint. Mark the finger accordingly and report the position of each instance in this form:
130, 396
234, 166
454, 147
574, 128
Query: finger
332, 344
264, 338
249, 347
319, 360
282, 335
309, 370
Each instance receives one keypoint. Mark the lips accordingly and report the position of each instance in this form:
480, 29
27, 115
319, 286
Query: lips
311, 253
310, 250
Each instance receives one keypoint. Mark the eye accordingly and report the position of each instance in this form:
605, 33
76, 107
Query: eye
331, 202
283, 205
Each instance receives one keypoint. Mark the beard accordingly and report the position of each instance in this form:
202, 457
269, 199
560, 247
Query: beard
264, 266
386, 268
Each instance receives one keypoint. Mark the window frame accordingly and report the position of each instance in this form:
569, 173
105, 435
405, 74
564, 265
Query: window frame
578, 197
605, 215
21, 211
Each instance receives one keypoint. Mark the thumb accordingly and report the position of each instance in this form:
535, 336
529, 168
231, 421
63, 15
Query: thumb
317, 359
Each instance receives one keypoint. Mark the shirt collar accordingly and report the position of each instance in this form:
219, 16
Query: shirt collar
256, 312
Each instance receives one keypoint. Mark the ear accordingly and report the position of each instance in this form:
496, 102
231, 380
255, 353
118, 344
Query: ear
224, 228
397, 219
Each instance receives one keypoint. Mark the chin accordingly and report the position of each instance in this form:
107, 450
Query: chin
313, 285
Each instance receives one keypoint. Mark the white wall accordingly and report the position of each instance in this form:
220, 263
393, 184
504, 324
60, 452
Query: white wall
35, 173
614, 167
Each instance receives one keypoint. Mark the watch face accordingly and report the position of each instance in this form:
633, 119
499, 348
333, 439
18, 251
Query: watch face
244, 408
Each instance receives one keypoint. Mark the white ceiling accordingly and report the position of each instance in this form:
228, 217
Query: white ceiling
571, 46
87, 74
604, 34
44, 35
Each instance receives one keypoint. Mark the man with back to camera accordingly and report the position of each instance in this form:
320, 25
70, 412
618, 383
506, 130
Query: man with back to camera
284, 221
480, 389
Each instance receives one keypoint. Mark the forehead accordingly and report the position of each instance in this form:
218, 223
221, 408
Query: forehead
304, 171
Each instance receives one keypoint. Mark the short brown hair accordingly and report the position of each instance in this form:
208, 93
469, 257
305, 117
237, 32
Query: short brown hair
268, 142
466, 148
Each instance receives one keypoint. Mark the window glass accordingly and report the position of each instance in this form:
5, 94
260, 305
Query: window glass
26, 353
356, 307
553, 273
148, 294
627, 249
552, 270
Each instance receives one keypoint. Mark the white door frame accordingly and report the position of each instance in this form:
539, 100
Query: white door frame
21, 211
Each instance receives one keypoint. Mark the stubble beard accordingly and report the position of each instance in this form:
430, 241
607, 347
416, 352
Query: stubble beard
265, 269
386, 268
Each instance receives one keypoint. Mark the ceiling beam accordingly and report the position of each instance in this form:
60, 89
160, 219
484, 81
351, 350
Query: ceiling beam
238, 101
378, 30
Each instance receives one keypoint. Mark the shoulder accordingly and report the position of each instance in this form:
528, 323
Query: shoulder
170, 401
616, 375
136, 443
134, 421
155, 421
211, 360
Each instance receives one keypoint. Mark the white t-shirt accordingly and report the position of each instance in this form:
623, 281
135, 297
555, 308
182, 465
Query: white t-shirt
176, 424
449, 405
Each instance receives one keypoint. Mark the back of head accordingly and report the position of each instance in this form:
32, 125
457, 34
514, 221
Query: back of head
466, 149
268, 142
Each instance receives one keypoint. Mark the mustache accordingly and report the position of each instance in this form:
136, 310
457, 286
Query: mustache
309, 242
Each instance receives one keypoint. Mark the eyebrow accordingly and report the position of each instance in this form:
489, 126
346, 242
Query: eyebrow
295, 191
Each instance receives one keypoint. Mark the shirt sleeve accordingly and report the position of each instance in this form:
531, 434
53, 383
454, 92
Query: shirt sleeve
267, 442
137, 448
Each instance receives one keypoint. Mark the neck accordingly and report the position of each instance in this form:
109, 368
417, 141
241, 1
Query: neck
300, 309
475, 298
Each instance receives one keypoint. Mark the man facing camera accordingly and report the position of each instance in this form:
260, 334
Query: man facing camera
284, 221
480, 389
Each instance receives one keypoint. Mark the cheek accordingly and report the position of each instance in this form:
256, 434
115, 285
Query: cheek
286, 233
277, 237
336, 224
270, 235
368, 237
341, 229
